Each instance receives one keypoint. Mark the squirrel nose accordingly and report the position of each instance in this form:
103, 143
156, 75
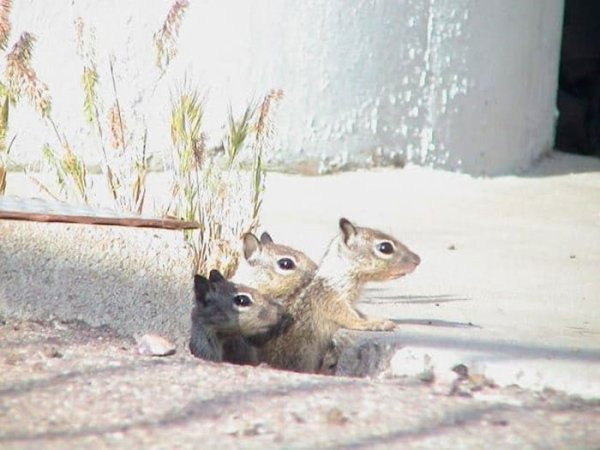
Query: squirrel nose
415, 259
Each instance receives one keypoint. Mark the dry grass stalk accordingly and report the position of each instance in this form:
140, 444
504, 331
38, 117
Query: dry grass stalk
217, 192
19, 77
5, 6
117, 106
70, 172
2, 179
4, 149
89, 80
22, 78
165, 39
264, 126
125, 167
85, 49
237, 132
187, 110
202, 189
79, 35
41, 186
116, 128
264, 133
91, 106
139, 183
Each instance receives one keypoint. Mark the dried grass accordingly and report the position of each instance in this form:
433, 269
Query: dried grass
4, 149
70, 171
221, 188
217, 191
19, 78
5, 6
123, 152
165, 39
263, 135
116, 128
22, 78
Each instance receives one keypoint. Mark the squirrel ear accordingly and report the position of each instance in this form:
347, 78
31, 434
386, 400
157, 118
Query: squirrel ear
215, 276
201, 286
251, 245
348, 230
266, 238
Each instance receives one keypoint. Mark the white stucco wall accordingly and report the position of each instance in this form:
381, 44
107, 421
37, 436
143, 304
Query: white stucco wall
460, 84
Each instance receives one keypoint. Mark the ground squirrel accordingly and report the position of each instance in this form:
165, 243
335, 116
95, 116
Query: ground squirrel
356, 256
223, 309
276, 271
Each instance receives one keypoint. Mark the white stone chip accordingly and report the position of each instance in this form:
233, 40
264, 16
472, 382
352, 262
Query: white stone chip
154, 345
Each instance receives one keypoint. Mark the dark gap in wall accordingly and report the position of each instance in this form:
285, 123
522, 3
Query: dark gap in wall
578, 100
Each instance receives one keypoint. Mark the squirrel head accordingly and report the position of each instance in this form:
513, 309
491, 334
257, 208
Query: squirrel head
275, 270
231, 308
373, 255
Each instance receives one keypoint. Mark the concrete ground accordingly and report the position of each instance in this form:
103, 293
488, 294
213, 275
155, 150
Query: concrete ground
509, 287
510, 272
68, 386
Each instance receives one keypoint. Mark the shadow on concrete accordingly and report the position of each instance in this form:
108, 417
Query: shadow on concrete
55, 381
498, 349
559, 163
454, 421
435, 323
463, 417
192, 411
413, 299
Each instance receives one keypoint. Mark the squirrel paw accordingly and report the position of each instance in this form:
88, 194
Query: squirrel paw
382, 325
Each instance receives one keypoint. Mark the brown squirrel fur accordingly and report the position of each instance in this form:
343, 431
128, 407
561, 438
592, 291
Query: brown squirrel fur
356, 256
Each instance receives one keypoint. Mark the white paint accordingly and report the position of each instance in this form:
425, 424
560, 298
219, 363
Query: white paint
467, 84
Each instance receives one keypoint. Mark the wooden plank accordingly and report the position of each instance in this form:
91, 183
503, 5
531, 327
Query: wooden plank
169, 224
38, 210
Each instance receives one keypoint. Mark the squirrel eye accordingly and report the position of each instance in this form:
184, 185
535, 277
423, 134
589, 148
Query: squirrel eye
385, 247
286, 264
242, 300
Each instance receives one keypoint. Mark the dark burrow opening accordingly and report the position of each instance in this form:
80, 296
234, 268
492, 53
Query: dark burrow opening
578, 98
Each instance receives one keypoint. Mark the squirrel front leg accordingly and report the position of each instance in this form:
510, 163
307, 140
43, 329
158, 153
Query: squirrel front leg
347, 317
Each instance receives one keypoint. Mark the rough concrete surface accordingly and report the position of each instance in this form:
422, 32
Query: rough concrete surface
137, 281
69, 386
508, 288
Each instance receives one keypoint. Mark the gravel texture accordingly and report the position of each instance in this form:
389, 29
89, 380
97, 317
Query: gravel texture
66, 385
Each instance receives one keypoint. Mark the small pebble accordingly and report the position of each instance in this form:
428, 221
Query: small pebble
53, 353
154, 345
560, 419
452, 247
297, 417
335, 416
499, 422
